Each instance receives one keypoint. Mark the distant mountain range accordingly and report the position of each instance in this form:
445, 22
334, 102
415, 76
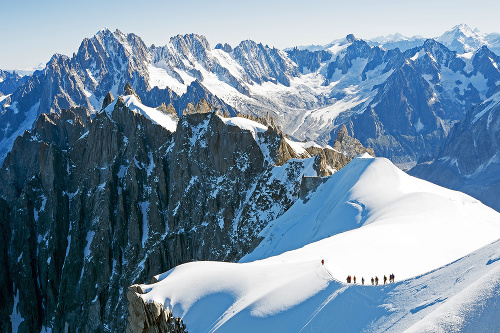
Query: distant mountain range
310, 93
402, 104
460, 38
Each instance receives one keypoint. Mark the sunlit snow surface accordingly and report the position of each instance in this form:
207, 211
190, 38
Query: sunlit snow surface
368, 219
157, 116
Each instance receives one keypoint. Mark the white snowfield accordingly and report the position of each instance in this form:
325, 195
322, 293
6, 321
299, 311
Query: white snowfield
369, 219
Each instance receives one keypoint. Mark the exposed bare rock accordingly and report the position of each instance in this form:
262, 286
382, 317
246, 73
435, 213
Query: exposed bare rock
128, 90
321, 166
108, 100
150, 317
170, 110
202, 107
309, 184
348, 145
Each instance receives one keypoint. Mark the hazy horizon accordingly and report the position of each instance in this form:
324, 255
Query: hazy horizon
60, 26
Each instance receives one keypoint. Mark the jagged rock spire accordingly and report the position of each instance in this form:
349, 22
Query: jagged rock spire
108, 99
202, 107
128, 90
168, 110
342, 133
348, 145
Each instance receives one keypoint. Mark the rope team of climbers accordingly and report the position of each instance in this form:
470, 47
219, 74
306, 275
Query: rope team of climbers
373, 280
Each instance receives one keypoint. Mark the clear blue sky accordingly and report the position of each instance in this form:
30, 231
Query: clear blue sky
31, 31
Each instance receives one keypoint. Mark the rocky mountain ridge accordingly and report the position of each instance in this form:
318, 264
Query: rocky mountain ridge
102, 64
309, 93
460, 38
91, 204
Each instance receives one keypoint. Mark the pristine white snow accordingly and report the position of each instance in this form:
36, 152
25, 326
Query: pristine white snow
245, 124
382, 209
468, 39
158, 117
159, 77
4, 97
368, 219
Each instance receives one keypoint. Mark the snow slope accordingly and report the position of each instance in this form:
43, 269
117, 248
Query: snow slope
155, 115
378, 211
368, 219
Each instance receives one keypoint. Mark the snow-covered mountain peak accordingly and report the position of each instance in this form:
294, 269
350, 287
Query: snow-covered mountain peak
393, 38
462, 39
464, 30
110, 41
104, 31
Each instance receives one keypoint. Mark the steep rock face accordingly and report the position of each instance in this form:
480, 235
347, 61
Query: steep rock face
225, 47
184, 52
91, 205
68, 198
102, 64
403, 123
264, 64
349, 146
6, 296
108, 100
469, 161
308, 61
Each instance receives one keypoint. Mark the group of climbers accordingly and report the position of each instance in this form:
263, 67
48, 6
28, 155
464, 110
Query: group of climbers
374, 280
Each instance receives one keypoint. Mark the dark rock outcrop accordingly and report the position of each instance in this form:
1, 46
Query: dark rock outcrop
348, 145
151, 316
128, 90
108, 100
